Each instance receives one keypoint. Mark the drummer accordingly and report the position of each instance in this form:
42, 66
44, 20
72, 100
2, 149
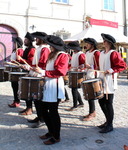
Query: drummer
111, 63
17, 51
53, 92
27, 57
39, 60
92, 62
77, 62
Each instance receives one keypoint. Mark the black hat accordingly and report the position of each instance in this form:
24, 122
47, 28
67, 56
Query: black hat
40, 35
108, 38
66, 48
74, 46
91, 41
29, 36
55, 42
18, 40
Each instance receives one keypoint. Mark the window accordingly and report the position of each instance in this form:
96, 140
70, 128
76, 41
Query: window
109, 5
62, 1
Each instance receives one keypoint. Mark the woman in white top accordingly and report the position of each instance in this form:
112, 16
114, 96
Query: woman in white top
53, 91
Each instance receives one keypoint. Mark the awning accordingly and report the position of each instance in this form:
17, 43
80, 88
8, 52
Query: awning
95, 32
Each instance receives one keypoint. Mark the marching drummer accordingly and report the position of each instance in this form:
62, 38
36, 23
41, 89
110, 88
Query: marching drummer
40, 59
92, 63
111, 63
77, 62
27, 57
53, 91
17, 51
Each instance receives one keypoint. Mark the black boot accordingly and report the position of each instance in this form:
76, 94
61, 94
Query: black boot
34, 120
102, 125
107, 129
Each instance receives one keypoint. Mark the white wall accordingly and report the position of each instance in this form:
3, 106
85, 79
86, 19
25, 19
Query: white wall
50, 17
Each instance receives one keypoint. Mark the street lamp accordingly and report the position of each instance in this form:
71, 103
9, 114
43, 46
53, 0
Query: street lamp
32, 27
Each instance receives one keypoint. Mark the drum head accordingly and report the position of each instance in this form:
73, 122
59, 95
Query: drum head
31, 78
75, 72
2, 68
91, 80
18, 73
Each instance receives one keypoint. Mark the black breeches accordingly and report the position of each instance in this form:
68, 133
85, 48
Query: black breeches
76, 97
51, 118
107, 107
15, 91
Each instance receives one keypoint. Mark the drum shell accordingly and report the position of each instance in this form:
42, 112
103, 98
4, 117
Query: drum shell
76, 78
2, 74
92, 90
14, 76
12, 68
6, 75
31, 88
66, 79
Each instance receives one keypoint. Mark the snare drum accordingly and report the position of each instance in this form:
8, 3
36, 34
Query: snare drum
75, 79
6, 75
31, 88
66, 79
12, 68
92, 89
2, 74
14, 76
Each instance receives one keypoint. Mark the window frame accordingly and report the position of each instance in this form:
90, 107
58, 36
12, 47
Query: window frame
110, 5
61, 1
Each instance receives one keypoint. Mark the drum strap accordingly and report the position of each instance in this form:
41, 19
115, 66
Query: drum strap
95, 62
96, 65
57, 89
106, 86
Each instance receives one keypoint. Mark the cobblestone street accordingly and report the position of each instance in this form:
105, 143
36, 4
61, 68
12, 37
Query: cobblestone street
16, 134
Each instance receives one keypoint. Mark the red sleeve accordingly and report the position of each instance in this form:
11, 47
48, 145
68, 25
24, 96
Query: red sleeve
69, 63
20, 52
30, 57
96, 60
117, 63
43, 57
82, 59
60, 67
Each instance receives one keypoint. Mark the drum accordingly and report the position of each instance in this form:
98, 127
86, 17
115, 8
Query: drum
2, 74
66, 79
31, 88
92, 89
6, 75
14, 76
12, 68
75, 79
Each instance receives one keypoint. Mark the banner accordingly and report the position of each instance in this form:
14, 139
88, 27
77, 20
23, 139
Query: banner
103, 23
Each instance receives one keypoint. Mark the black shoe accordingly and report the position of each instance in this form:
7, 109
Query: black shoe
107, 129
34, 120
102, 126
80, 105
37, 125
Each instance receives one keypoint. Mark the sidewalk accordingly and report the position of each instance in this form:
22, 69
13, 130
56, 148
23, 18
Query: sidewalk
16, 134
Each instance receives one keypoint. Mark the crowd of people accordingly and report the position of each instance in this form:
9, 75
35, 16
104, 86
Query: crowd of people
52, 59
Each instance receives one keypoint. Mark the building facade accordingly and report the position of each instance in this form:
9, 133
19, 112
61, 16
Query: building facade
63, 18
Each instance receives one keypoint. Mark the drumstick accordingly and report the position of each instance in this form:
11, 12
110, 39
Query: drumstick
99, 71
93, 70
24, 61
36, 58
16, 62
11, 63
